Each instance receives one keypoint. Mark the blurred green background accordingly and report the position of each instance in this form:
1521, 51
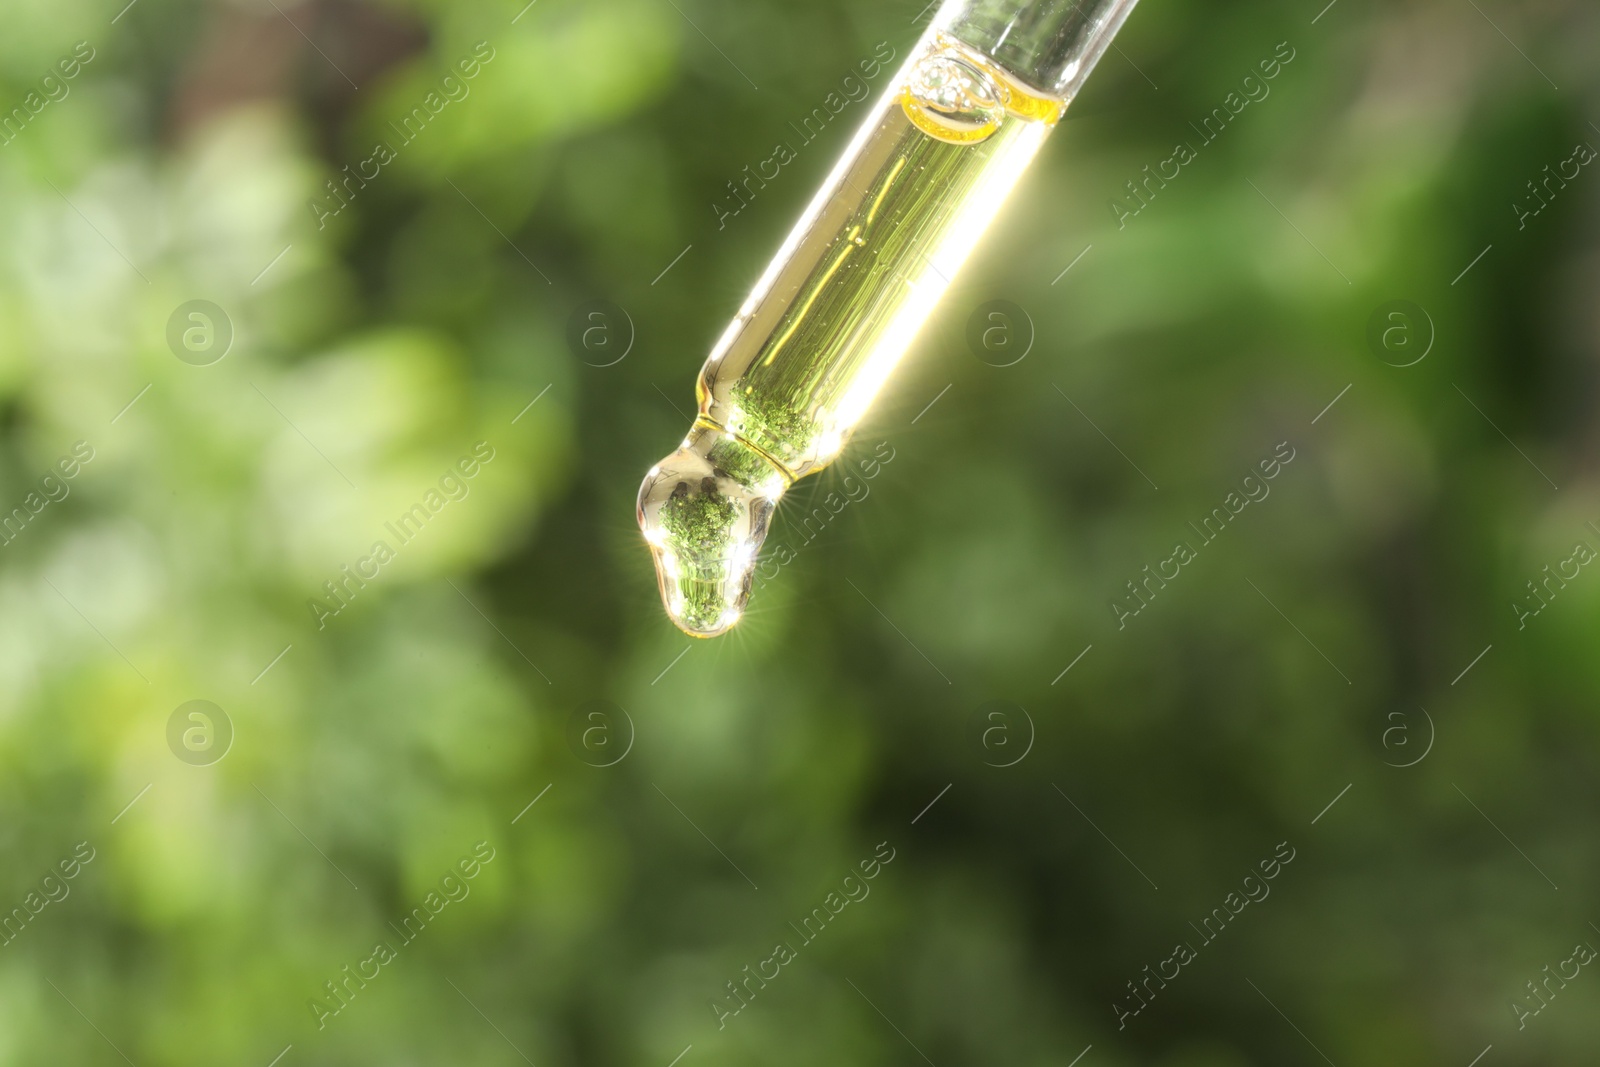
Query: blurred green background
368, 752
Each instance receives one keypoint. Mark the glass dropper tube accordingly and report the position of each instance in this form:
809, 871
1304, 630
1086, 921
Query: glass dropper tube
844, 298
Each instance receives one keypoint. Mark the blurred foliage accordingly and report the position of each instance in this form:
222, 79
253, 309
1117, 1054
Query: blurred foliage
372, 354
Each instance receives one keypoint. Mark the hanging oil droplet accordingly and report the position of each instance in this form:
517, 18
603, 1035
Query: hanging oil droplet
705, 511
952, 99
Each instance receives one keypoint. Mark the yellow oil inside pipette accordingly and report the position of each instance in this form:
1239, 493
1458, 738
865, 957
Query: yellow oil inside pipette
833, 315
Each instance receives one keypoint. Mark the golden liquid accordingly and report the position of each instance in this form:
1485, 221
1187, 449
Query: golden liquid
835, 312
858, 277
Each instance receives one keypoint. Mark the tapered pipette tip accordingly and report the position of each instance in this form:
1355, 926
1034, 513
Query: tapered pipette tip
704, 511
